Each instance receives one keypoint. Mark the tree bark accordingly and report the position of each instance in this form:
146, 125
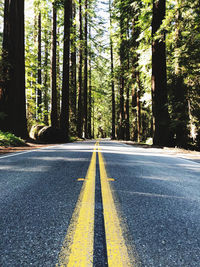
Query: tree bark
12, 92
73, 101
80, 100
127, 115
59, 77
138, 107
46, 80
39, 92
180, 103
64, 116
86, 72
122, 57
159, 79
135, 94
112, 75
54, 110
90, 89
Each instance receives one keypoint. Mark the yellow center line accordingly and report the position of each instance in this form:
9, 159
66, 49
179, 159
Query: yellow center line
117, 251
78, 246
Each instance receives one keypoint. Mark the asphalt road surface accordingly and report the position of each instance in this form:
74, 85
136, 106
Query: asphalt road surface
99, 204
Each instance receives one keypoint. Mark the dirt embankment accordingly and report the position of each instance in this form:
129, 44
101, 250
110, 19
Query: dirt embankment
29, 146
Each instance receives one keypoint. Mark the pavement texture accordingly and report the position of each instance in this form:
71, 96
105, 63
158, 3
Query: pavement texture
156, 193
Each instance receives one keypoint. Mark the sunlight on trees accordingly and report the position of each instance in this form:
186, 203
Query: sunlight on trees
110, 68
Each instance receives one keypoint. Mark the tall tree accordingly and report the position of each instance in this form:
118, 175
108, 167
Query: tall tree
54, 109
39, 92
127, 109
112, 73
180, 105
122, 81
138, 93
73, 94
12, 93
80, 82
64, 116
90, 85
46, 78
136, 89
86, 72
159, 77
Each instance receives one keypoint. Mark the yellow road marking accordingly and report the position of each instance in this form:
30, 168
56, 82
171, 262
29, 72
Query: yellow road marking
78, 246
81, 179
79, 242
111, 179
116, 248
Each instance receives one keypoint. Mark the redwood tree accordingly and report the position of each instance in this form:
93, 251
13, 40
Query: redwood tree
86, 72
159, 78
80, 82
112, 75
39, 92
122, 81
12, 91
54, 110
64, 116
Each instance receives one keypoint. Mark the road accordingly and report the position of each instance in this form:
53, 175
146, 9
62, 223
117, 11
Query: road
99, 204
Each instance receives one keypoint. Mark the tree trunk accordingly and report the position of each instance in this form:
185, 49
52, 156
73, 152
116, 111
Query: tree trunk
86, 72
64, 116
80, 100
138, 107
58, 78
112, 75
39, 92
180, 103
54, 110
122, 57
90, 90
159, 79
135, 74
12, 93
127, 115
46, 80
73, 68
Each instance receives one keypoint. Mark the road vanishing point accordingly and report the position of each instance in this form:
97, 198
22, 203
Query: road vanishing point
99, 203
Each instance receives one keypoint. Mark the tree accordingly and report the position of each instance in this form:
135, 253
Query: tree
180, 114
159, 79
64, 116
73, 91
122, 81
80, 82
39, 72
112, 74
54, 109
12, 93
90, 88
86, 72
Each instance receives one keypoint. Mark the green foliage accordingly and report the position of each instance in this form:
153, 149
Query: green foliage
182, 28
9, 139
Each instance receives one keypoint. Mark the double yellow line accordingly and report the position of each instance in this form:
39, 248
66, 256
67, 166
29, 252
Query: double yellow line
78, 246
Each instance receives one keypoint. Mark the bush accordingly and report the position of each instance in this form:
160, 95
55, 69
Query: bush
9, 139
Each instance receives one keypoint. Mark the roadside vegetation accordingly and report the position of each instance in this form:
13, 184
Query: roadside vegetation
124, 69
9, 139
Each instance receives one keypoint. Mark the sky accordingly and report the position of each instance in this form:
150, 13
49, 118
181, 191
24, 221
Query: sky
28, 9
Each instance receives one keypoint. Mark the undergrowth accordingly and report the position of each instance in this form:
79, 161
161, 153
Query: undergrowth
9, 139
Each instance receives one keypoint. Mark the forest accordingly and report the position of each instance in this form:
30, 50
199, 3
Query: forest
119, 69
